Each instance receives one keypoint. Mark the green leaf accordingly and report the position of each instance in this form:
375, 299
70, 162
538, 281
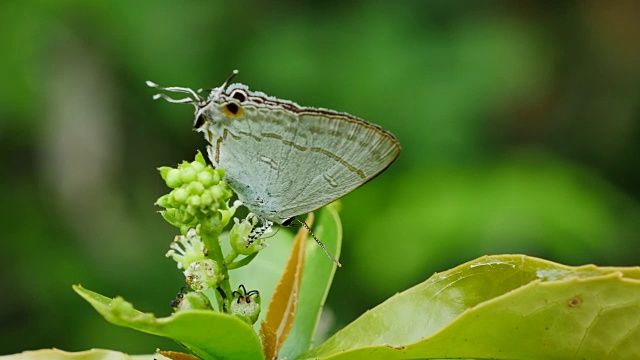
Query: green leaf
209, 334
93, 354
281, 313
316, 281
501, 307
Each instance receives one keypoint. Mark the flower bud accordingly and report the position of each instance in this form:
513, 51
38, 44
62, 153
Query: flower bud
203, 274
191, 210
193, 300
180, 195
240, 233
178, 218
194, 201
206, 199
246, 304
198, 166
198, 193
220, 191
173, 178
195, 188
206, 178
188, 173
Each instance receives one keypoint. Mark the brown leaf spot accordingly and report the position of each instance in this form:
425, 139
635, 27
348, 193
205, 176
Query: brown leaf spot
395, 347
175, 355
575, 302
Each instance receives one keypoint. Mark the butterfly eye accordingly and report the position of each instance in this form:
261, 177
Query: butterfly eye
200, 120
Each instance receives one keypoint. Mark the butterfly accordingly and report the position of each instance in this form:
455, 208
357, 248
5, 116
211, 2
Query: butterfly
282, 159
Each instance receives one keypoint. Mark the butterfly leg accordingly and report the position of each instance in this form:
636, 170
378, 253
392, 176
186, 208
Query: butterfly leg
258, 231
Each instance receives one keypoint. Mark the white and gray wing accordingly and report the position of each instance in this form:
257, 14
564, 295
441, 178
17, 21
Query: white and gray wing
282, 164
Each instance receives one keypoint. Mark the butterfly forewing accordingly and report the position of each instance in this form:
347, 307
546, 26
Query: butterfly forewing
284, 161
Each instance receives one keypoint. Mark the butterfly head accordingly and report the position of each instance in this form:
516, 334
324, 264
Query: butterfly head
222, 103
226, 104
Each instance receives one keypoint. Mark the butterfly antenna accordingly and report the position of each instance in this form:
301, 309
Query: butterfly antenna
318, 241
196, 97
208, 90
226, 82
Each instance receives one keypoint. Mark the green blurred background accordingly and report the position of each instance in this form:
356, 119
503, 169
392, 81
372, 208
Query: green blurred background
519, 123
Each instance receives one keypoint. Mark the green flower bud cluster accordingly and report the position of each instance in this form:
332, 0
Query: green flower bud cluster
246, 305
198, 193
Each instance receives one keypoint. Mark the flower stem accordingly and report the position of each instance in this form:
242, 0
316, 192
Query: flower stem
242, 262
211, 237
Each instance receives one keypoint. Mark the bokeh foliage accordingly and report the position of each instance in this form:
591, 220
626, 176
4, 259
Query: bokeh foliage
519, 124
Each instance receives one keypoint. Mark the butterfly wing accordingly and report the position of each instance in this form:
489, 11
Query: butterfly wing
283, 163
343, 154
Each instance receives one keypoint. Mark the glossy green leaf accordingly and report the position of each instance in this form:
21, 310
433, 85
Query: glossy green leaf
209, 334
501, 307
